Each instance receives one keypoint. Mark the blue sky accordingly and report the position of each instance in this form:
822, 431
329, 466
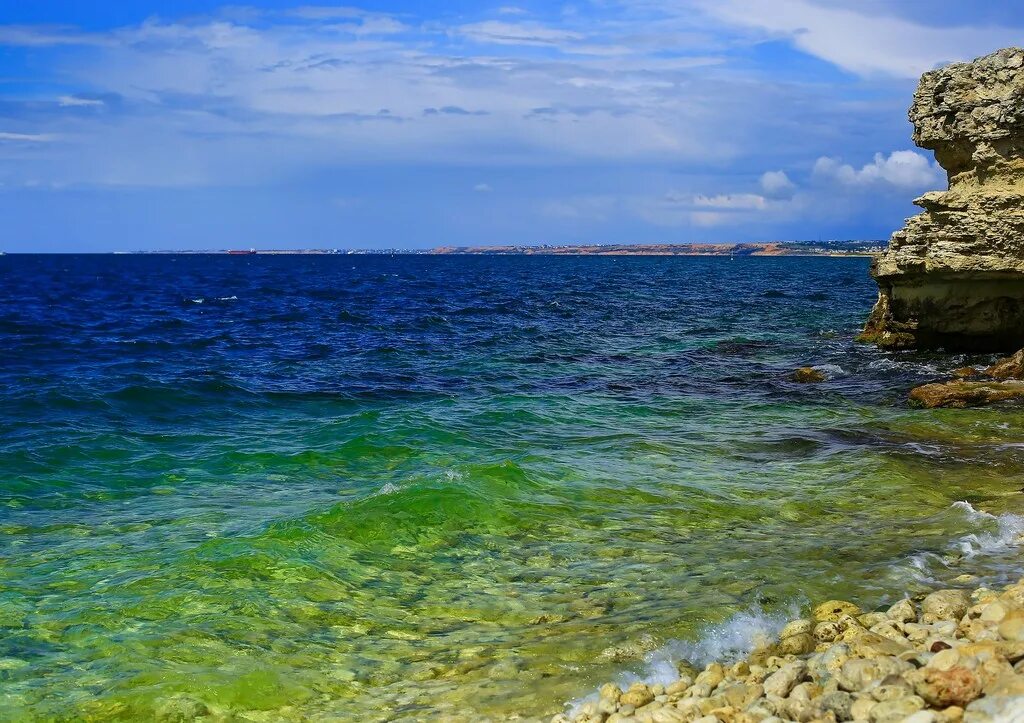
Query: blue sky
198, 124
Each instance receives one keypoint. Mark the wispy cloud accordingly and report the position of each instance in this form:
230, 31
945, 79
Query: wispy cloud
73, 101
26, 137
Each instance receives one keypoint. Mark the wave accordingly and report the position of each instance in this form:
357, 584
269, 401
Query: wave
998, 534
918, 367
742, 633
1009, 532
733, 639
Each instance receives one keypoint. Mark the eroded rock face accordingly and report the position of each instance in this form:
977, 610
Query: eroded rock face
954, 275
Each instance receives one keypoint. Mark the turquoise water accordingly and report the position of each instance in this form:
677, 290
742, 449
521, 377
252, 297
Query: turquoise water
417, 488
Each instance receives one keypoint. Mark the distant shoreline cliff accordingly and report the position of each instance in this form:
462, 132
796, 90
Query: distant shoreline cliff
770, 248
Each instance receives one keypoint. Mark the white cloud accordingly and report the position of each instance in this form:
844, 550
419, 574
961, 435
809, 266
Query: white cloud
483, 188
903, 169
776, 184
862, 42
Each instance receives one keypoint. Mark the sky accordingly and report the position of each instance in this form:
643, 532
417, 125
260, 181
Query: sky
191, 124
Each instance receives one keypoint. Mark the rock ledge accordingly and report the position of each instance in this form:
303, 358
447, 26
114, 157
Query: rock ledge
953, 276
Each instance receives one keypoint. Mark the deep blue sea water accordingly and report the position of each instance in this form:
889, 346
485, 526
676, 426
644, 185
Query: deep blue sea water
408, 487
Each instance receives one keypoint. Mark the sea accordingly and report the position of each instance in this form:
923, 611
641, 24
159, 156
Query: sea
411, 487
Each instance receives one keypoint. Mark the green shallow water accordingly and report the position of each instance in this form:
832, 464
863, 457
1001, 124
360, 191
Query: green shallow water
460, 520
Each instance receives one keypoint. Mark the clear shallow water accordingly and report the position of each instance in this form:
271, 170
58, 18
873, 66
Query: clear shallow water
417, 487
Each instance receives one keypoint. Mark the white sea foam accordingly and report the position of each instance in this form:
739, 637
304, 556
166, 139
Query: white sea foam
197, 301
831, 370
887, 364
1002, 533
1009, 532
733, 639
227, 298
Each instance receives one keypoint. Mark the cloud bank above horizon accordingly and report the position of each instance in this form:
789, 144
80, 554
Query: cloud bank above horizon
382, 124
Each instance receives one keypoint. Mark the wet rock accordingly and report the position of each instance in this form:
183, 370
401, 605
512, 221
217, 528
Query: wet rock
960, 394
807, 375
638, 695
1011, 367
738, 695
679, 687
797, 644
833, 610
797, 627
711, 676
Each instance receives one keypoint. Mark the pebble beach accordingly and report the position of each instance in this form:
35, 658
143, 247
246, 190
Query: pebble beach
949, 656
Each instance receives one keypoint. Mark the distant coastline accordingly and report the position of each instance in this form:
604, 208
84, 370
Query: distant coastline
769, 248
760, 248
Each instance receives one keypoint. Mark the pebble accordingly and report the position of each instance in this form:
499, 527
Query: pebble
953, 657
945, 605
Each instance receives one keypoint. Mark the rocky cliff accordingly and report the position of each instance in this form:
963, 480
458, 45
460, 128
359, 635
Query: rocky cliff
954, 275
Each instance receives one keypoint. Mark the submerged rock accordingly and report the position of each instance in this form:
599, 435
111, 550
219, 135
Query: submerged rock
807, 375
953, 276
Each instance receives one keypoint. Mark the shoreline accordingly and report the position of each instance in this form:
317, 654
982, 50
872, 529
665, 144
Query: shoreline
954, 654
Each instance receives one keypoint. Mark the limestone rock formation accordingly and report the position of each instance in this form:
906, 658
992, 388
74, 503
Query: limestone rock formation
954, 275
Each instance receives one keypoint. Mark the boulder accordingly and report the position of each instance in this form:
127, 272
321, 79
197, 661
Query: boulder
959, 394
